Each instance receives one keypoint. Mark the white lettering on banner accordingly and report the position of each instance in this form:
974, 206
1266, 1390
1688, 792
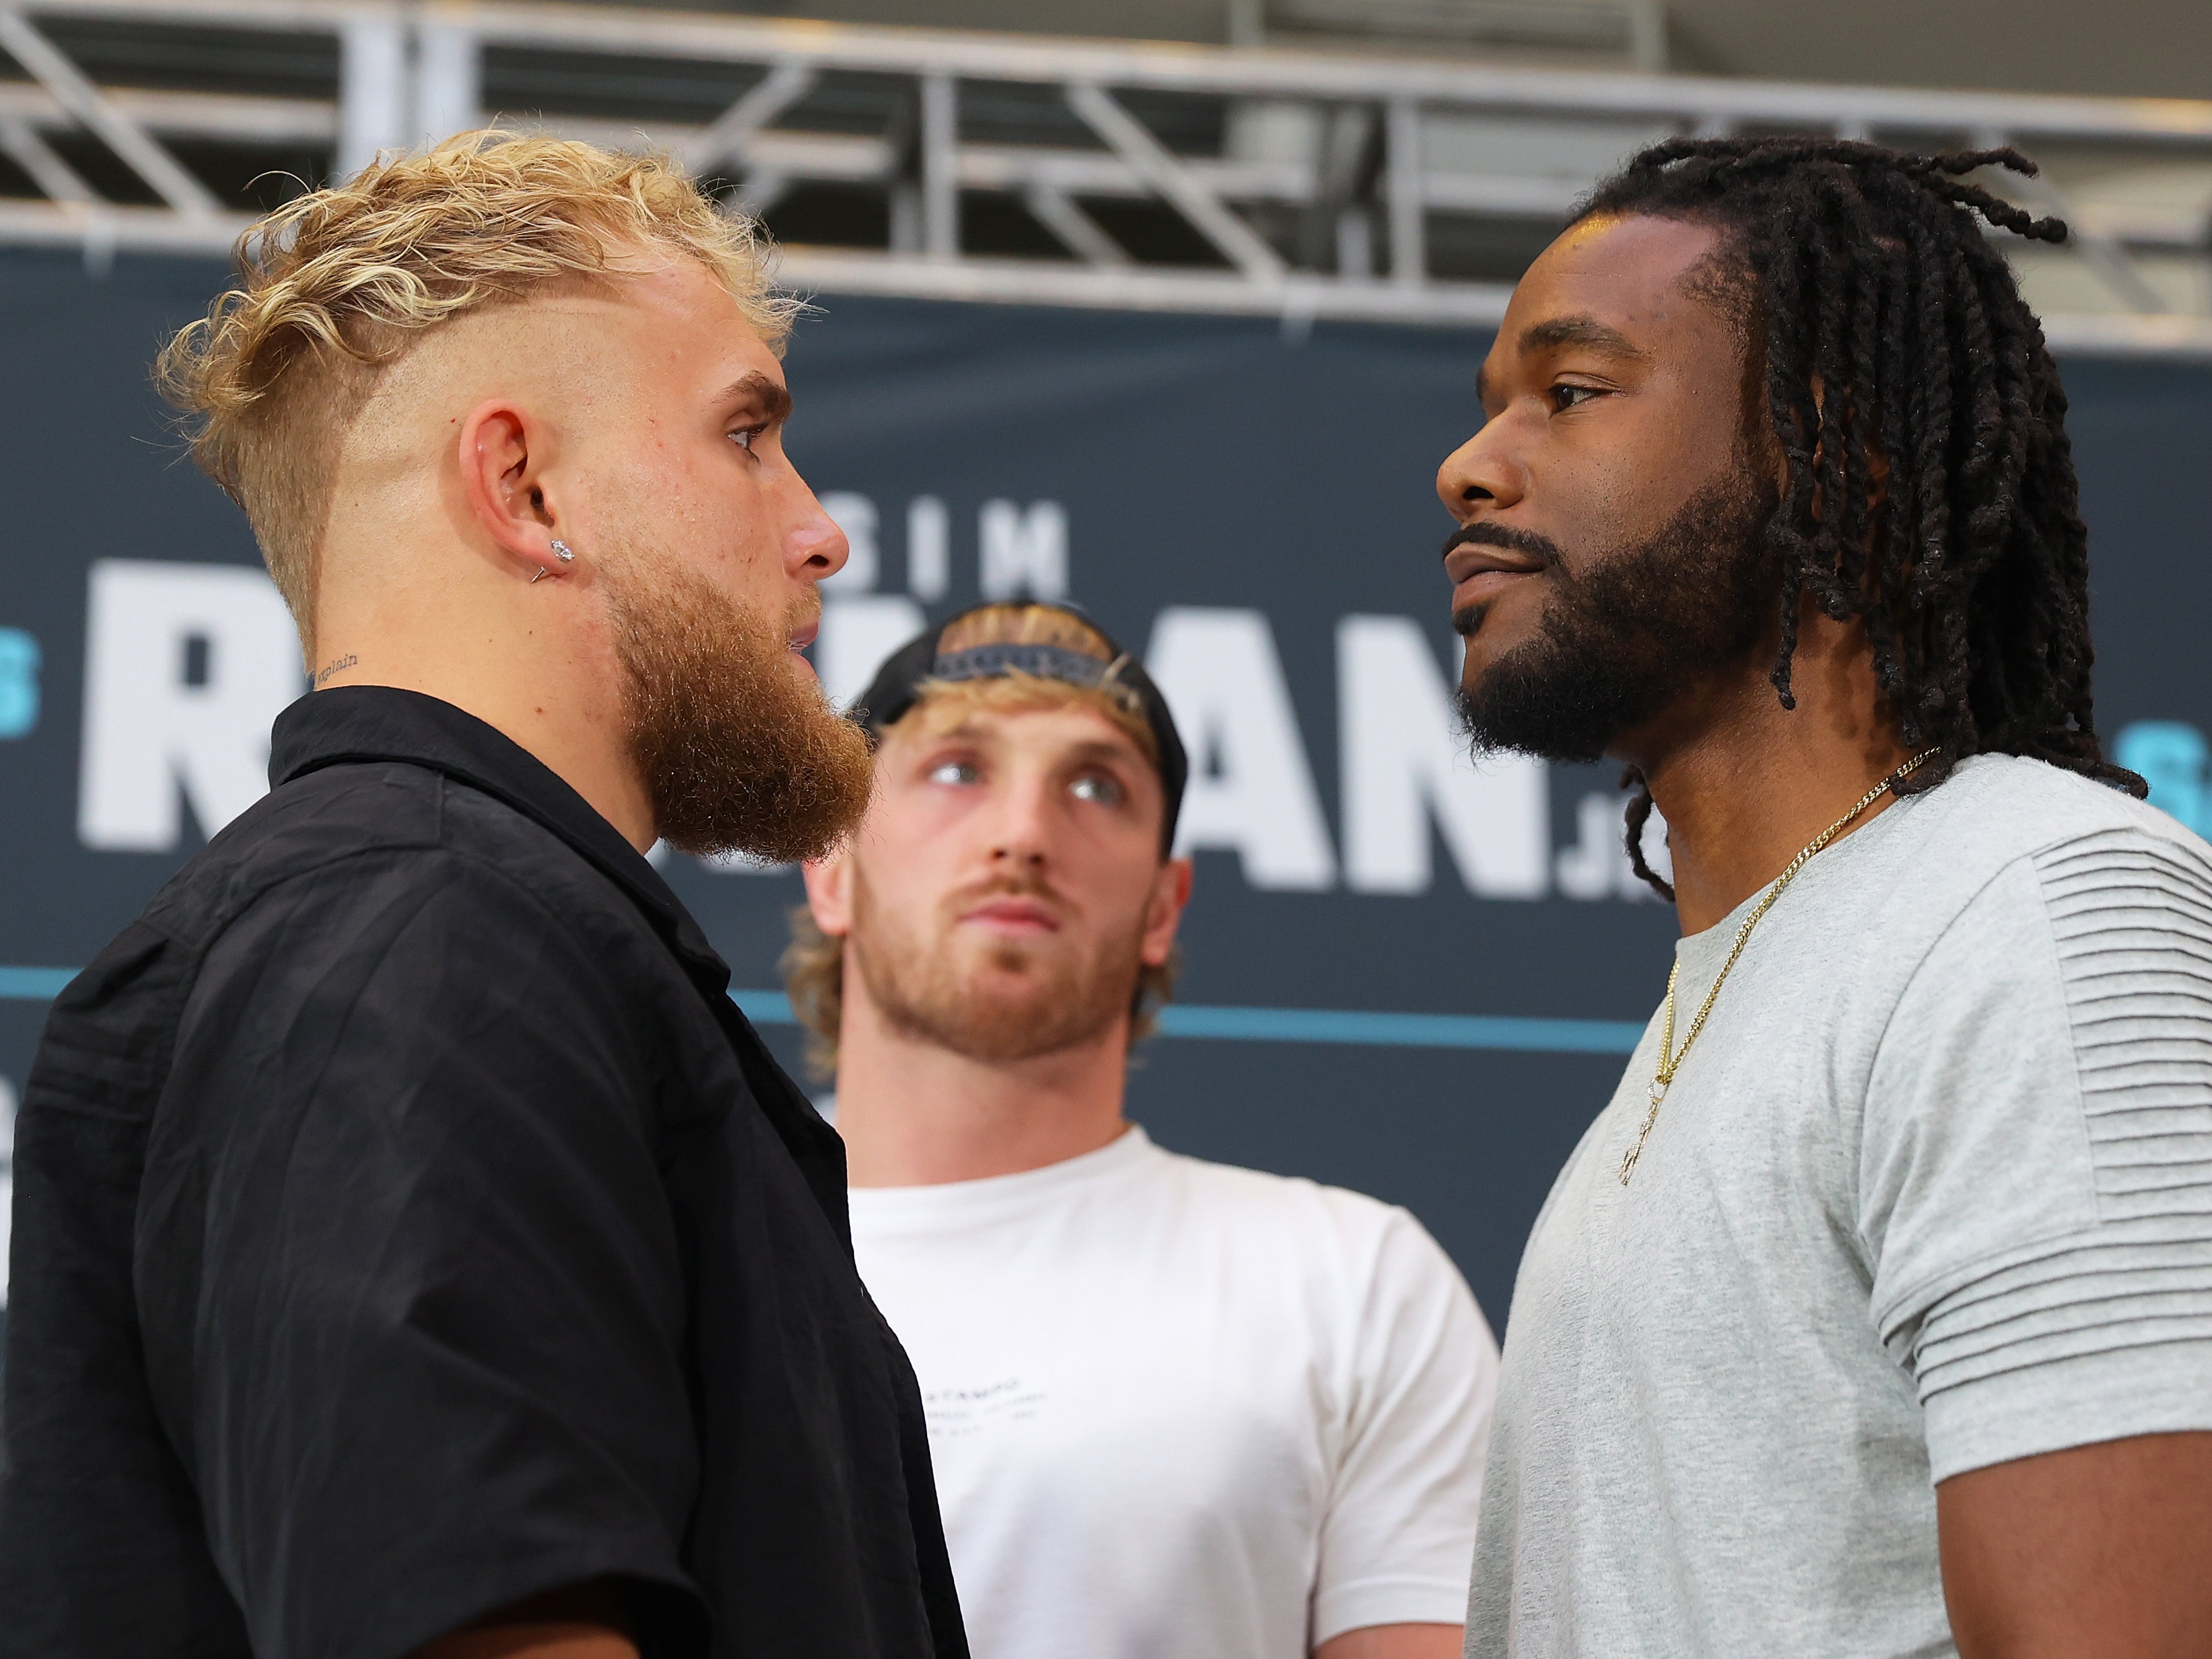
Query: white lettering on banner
856, 516
1401, 759
1597, 866
1020, 549
186, 667
1251, 790
1023, 552
859, 630
928, 549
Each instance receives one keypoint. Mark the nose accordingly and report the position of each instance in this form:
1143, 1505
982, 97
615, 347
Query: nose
1022, 836
815, 548
1484, 471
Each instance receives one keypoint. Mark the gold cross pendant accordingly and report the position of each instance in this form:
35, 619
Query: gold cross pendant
1628, 1162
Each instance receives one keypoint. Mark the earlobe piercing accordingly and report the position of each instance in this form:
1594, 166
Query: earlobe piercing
563, 552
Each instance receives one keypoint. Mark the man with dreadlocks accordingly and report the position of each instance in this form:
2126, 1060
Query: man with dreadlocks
1874, 1315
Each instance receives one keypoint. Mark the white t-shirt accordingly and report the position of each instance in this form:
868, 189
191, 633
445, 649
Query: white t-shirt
1181, 1409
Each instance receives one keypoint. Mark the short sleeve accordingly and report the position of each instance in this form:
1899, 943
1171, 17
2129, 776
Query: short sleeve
1399, 1529
2037, 1166
415, 1298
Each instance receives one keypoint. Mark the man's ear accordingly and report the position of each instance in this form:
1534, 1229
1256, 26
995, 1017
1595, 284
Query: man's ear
503, 454
830, 891
1164, 914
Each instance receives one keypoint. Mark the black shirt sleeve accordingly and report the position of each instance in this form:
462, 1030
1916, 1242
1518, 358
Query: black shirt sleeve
414, 1302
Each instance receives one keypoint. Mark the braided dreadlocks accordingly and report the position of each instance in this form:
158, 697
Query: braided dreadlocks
1931, 485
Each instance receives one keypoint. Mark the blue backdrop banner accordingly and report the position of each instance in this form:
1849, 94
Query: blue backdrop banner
1406, 973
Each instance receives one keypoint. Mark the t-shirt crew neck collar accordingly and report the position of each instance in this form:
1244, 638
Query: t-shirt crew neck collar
1699, 955
949, 1202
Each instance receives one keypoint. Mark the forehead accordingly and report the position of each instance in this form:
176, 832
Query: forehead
1044, 733
1623, 275
670, 318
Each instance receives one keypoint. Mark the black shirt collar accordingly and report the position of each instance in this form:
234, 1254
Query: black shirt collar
355, 723
352, 724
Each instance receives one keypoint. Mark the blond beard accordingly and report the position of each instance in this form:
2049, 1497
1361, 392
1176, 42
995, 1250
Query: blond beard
740, 751
1059, 1002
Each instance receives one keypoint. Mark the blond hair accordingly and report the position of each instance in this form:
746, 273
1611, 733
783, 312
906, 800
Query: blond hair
814, 963
339, 282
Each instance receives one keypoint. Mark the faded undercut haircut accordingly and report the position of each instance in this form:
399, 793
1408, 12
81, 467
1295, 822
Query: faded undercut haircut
814, 963
338, 283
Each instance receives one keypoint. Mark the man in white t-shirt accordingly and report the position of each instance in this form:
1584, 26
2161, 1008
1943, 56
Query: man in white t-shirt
1175, 1408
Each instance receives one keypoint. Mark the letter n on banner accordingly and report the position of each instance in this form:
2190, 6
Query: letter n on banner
1251, 788
1401, 760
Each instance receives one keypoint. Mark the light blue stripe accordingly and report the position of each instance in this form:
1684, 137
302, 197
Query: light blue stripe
1535, 1036
34, 984
765, 1007
1339, 1025
1342, 1025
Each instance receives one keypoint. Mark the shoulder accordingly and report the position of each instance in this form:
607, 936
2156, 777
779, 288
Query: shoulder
1998, 809
1348, 1235
391, 875
367, 837
2024, 837
1994, 852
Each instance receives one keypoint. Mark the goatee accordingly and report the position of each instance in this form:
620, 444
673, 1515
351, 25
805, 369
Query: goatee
1619, 642
1016, 1003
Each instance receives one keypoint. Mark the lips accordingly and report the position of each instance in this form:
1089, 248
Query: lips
1014, 915
803, 637
1479, 573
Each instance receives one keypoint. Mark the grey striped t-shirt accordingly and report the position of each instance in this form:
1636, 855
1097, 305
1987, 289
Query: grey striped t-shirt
1933, 1191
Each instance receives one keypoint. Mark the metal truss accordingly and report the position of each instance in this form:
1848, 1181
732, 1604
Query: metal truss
1009, 168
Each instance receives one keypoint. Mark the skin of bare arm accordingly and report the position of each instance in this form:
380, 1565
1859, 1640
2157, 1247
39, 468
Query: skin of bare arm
581, 1621
2104, 1549
1395, 1642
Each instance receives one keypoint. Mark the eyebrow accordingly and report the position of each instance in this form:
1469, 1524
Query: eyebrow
1125, 751
773, 399
1091, 749
1584, 332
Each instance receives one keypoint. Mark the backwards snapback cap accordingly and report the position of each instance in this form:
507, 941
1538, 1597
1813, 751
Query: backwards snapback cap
898, 687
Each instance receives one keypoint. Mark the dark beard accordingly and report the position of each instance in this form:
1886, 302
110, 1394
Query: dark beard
1617, 643
919, 989
739, 752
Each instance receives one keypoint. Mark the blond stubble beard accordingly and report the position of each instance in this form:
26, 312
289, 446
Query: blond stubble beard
1065, 1001
740, 751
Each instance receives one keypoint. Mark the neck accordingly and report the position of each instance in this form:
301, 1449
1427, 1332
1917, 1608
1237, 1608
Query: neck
913, 1114
1745, 784
531, 661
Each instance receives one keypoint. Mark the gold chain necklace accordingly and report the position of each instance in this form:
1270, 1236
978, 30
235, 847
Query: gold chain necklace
1671, 1058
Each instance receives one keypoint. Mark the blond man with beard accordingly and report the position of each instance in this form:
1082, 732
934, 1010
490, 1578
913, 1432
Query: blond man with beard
1177, 1408
415, 1250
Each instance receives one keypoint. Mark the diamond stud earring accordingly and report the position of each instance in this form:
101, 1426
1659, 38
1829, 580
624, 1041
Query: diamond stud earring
563, 552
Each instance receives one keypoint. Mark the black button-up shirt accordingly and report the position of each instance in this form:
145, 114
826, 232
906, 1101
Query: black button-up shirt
407, 1222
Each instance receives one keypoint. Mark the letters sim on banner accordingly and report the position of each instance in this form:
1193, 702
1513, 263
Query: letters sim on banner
188, 665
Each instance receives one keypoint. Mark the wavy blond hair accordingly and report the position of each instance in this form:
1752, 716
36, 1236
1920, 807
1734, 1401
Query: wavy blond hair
814, 963
337, 283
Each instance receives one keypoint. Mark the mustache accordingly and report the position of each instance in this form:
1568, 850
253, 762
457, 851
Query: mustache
997, 887
1483, 533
